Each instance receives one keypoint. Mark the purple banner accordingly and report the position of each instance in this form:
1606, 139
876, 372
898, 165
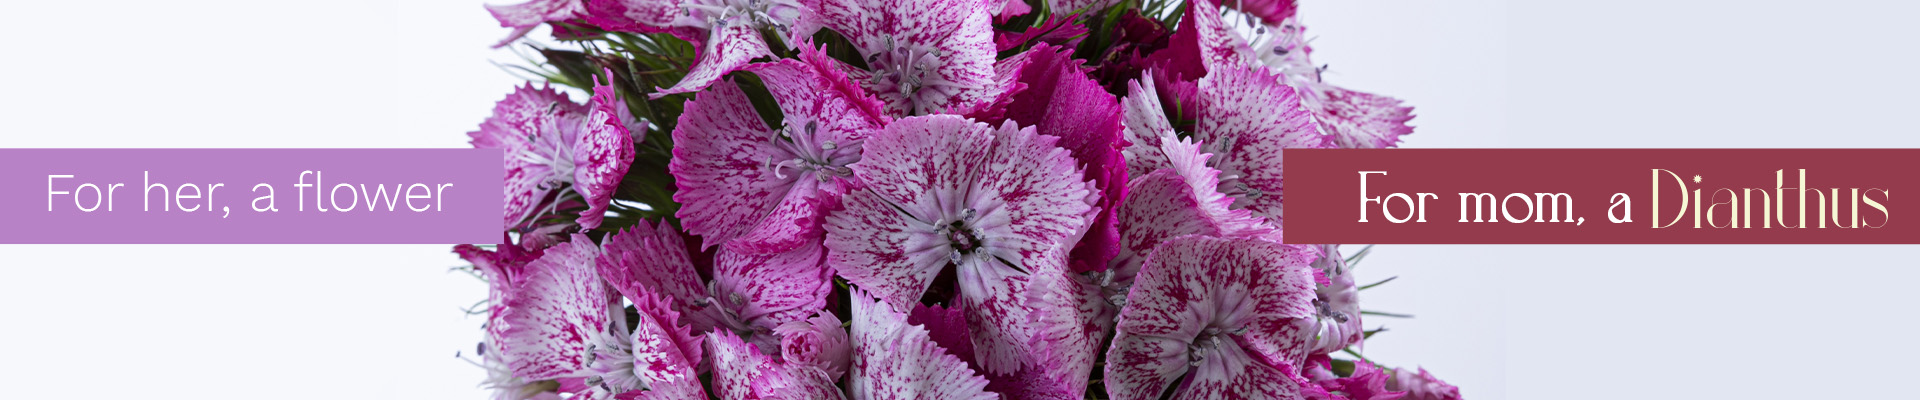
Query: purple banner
247, 196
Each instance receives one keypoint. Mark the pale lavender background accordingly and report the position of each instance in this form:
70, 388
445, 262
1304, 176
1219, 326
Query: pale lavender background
466, 212
1504, 322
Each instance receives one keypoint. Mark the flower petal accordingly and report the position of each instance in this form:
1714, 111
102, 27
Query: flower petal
1178, 201
525, 115
943, 50
1271, 12
736, 365
647, 16
601, 154
876, 248
994, 295
649, 258
1249, 117
947, 327
1234, 316
722, 159
1146, 123
524, 16
762, 292
730, 45
1361, 120
1030, 196
742, 372
817, 342
1070, 319
894, 360
1202, 42
666, 354
555, 314
1061, 101
1422, 385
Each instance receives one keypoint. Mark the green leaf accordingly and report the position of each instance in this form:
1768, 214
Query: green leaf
1385, 314
1383, 281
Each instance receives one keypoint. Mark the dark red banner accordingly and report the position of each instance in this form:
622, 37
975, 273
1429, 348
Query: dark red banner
1601, 196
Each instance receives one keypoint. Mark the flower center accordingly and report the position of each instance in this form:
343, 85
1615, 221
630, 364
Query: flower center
716, 14
905, 69
1210, 339
800, 137
962, 238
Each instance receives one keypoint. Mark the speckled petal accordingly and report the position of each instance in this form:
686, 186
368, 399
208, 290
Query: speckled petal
743, 372
1270, 12
736, 366
666, 354
601, 154
730, 45
819, 342
1247, 117
994, 295
896, 361
1070, 319
1178, 201
795, 221
1061, 101
1146, 123
722, 164
1361, 120
1233, 316
653, 258
556, 313
1201, 43
521, 117
524, 16
1031, 197
955, 35
875, 247
648, 16
762, 292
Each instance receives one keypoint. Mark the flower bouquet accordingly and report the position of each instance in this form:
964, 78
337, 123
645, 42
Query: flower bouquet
940, 199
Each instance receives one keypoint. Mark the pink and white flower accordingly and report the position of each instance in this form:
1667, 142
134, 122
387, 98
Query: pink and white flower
1180, 200
1422, 385
659, 360
763, 189
1353, 119
922, 56
524, 17
1366, 382
818, 342
559, 153
896, 361
944, 191
1338, 300
749, 294
1246, 117
727, 31
743, 371
1225, 317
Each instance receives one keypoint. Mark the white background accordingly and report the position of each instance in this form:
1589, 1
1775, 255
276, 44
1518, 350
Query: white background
1520, 322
